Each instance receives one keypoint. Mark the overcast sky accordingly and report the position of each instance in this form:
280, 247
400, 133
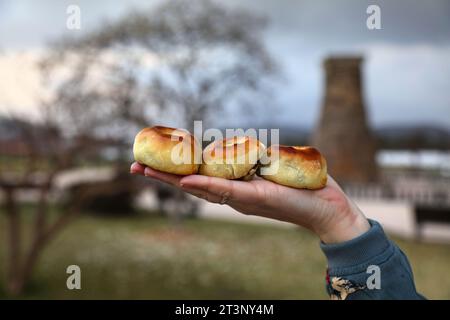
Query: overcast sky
407, 62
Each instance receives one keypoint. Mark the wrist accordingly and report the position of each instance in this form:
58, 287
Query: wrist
348, 224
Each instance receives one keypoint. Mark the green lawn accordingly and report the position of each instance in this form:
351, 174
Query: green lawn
148, 258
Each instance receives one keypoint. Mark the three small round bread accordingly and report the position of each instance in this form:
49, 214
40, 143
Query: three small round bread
234, 158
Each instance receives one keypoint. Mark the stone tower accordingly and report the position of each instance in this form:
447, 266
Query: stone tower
342, 133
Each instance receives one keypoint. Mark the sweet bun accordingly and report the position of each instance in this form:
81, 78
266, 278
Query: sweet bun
297, 167
232, 158
167, 149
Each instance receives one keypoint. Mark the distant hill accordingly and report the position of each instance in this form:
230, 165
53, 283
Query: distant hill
8, 129
289, 135
413, 137
387, 137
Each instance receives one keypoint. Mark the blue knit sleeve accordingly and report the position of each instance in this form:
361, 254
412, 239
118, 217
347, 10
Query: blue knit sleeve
369, 267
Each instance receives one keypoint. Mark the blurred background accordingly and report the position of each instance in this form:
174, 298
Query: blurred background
78, 80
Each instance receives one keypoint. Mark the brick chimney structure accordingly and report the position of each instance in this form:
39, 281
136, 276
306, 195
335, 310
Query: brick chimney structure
342, 133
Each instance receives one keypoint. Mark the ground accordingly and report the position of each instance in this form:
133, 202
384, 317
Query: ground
150, 258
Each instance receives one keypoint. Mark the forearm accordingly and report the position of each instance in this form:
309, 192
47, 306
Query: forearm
369, 267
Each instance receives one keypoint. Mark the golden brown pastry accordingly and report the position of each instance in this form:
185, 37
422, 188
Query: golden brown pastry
167, 149
232, 158
297, 167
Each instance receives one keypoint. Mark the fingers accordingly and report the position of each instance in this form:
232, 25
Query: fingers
172, 179
137, 168
204, 195
217, 189
212, 189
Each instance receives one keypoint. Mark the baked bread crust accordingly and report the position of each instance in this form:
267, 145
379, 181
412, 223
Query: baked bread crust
154, 147
232, 158
298, 167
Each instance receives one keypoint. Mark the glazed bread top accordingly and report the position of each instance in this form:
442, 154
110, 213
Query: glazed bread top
168, 150
232, 158
298, 167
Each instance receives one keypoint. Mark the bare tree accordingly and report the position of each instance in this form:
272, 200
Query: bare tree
46, 155
194, 58
188, 59
182, 60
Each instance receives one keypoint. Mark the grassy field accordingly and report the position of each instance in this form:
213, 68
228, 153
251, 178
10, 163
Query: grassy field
148, 258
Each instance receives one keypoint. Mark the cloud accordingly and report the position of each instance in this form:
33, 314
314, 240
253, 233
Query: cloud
407, 68
403, 84
33, 23
20, 83
22, 90
408, 84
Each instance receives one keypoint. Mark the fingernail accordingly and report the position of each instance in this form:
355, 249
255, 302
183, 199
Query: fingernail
147, 172
185, 187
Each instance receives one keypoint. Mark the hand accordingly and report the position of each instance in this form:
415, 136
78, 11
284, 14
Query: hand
327, 212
